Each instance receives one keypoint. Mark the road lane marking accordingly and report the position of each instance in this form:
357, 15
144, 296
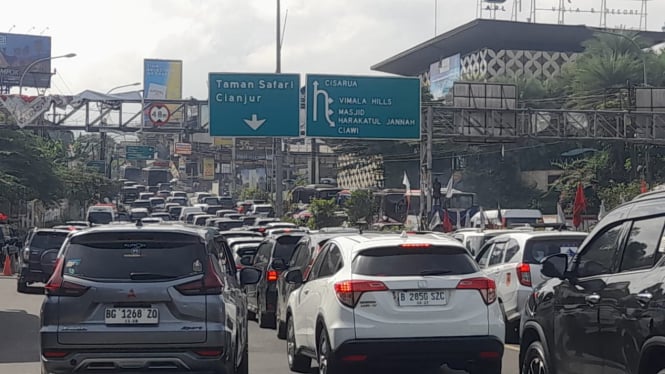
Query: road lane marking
513, 347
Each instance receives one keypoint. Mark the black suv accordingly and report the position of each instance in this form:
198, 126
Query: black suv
271, 258
39, 255
602, 312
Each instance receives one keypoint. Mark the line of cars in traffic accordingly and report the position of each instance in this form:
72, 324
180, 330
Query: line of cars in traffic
345, 299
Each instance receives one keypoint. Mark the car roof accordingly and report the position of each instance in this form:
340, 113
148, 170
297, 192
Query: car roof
131, 227
362, 242
540, 234
52, 230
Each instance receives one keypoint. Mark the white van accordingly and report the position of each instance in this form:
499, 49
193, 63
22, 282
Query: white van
189, 209
100, 214
510, 218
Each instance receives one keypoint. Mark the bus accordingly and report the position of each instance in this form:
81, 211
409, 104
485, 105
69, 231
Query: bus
396, 205
131, 173
305, 194
153, 176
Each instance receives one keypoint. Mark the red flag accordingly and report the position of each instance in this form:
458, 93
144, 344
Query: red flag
447, 225
643, 186
579, 206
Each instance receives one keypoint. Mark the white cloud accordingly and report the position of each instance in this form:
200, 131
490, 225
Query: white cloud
112, 38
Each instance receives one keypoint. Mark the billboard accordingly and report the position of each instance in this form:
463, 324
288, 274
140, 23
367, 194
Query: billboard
162, 79
17, 52
208, 169
443, 74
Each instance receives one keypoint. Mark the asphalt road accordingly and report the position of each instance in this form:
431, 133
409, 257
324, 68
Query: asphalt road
19, 339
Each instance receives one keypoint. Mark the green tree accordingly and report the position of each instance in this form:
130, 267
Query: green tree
323, 214
360, 207
28, 167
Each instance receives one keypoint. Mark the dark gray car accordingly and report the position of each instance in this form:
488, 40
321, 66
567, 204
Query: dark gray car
145, 298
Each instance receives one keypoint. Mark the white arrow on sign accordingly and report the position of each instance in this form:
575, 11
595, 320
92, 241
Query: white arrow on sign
255, 122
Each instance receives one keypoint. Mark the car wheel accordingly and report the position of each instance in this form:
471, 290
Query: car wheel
512, 336
535, 361
244, 365
281, 330
297, 362
21, 286
326, 359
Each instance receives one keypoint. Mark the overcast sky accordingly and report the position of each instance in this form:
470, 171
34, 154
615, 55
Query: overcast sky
111, 38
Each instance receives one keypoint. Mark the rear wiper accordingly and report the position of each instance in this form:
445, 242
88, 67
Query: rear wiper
149, 276
435, 272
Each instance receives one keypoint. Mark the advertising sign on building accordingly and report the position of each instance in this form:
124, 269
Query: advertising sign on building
208, 169
17, 52
443, 74
162, 79
183, 149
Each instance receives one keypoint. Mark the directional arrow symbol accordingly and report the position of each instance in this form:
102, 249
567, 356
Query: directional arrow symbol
255, 122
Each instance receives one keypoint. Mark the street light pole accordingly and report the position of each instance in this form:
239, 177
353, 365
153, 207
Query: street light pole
27, 69
102, 141
637, 46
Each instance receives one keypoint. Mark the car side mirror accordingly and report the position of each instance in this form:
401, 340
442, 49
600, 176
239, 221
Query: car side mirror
279, 264
294, 276
555, 266
249, 276
246, 260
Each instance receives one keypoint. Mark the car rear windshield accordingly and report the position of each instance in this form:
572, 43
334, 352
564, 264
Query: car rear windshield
137, 256
100, 217
536, 250
48, 240
227, 225
398, 261
285, 246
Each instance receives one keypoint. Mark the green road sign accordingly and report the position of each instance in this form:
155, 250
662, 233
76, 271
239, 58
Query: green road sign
139, 152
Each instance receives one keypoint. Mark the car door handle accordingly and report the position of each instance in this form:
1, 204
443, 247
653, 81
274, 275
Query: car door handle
305, 292
644, 297
592, 299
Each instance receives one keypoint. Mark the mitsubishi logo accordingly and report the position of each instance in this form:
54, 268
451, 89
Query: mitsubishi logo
131, 294
422, 284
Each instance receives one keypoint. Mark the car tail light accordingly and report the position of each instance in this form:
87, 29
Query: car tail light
524, 274
272, 275
57, 286
416, 245
485, 286
209, 352
210, 284
54, 354
349, 292
354, 358
262, 229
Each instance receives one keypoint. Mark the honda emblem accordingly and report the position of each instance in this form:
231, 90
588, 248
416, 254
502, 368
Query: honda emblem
422, 284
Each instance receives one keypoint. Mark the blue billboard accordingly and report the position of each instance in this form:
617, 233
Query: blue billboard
357, 107
17, 52
443, 74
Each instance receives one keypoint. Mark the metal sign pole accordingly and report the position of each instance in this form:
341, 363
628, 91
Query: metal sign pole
279, 205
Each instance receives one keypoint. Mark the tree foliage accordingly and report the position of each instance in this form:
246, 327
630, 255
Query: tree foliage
323, 214
360, 207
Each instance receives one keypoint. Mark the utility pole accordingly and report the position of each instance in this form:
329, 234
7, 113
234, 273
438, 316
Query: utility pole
277, 160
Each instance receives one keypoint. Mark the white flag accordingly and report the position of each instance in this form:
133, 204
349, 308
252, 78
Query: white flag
560, 215
449, 188
482, 218
602, 211
405, 182
435, 222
